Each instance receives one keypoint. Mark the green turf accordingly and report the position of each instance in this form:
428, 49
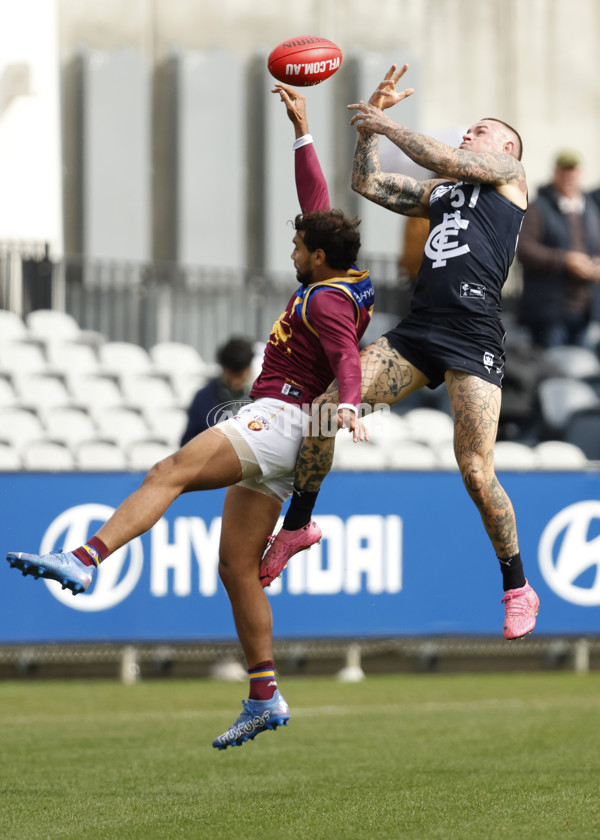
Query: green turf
513, 756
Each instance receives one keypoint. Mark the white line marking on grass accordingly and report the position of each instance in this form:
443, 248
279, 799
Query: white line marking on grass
428, 707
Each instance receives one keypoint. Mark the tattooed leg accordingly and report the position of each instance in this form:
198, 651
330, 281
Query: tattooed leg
475, 408
315, 456
386, 379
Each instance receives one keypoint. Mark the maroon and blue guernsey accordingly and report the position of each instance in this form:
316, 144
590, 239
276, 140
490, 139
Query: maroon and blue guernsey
316, 339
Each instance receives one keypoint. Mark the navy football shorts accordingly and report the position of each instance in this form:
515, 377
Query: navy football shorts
438, 344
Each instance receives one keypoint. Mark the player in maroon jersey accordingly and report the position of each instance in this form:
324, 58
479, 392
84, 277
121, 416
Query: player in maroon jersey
253, 454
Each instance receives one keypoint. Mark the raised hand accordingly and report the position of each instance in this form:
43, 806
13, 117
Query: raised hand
295, 104
386, 94
370, 118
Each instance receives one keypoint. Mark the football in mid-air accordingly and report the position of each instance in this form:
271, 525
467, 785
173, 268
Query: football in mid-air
304, 61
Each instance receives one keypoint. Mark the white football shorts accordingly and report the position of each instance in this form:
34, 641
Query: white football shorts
266, 435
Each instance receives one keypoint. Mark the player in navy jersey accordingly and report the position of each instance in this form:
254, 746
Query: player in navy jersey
254, 453
453, 332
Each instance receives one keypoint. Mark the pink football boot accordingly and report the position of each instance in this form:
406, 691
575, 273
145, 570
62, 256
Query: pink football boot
283, 546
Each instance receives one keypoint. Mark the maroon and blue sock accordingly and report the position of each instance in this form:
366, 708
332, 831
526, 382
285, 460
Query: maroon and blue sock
92, 553
263, 684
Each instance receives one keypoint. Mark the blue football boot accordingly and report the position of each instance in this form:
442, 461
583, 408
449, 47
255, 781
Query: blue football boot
257, 717
64, 567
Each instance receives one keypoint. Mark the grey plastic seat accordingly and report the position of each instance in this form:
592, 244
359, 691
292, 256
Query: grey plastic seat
583, 429
572, 361
560, 397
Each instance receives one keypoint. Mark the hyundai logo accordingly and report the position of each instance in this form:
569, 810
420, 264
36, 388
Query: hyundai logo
114, 580
569, 554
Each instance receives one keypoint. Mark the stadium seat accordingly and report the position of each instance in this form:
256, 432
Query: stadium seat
583, 429
12, 326
143, 454
571, 361
509, 455
20, 425
47, 455
186, 386
52, 325
17, 357
560, 397
8, 396
560, 455
9, 458
100, 455
123, 358
386, 428
95, 389
148, 391
359, 456
42, 390
175, 359
185, 367
168, 424
429, 426
410, 455
69, 357
121, 424
444, 455
69, 424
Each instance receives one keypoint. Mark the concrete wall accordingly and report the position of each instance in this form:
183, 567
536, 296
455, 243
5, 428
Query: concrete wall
534, 63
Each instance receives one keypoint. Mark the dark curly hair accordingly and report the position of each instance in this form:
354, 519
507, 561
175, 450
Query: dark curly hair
236, 354
332, 231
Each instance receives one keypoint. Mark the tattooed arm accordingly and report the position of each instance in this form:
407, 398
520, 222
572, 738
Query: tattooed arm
396, 192
493, 167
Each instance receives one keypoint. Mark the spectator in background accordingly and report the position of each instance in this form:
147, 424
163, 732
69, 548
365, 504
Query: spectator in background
559, 249
416, 231
230, 389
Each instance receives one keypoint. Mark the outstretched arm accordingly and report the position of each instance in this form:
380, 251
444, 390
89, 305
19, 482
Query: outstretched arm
311, 185
483, 167
496, 168
398, 193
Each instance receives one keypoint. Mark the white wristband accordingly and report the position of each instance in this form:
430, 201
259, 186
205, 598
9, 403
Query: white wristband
349, 406
302, 141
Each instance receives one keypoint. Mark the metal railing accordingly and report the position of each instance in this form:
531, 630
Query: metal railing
131, 661
153, 302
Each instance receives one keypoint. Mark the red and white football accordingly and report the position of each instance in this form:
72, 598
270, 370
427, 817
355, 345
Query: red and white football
304, 61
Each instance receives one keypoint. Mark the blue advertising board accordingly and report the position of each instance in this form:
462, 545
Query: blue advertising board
403, 553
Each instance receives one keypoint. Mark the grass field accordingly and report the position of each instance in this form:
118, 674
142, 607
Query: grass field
512, 756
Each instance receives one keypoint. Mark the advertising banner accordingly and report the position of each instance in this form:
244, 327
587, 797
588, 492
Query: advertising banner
403, 553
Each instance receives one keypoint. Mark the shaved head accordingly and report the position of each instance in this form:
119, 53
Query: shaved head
510, 134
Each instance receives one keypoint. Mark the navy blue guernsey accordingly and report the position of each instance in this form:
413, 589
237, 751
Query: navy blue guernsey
472, 241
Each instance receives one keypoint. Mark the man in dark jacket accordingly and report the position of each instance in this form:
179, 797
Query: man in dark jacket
224, 394
559, 249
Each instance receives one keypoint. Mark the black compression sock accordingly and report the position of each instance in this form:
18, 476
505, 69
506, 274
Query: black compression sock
513, 576
300, 510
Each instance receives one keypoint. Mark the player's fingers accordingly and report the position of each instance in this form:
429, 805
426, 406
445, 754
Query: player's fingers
283, 86
357, 118
400, 72
391, 71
